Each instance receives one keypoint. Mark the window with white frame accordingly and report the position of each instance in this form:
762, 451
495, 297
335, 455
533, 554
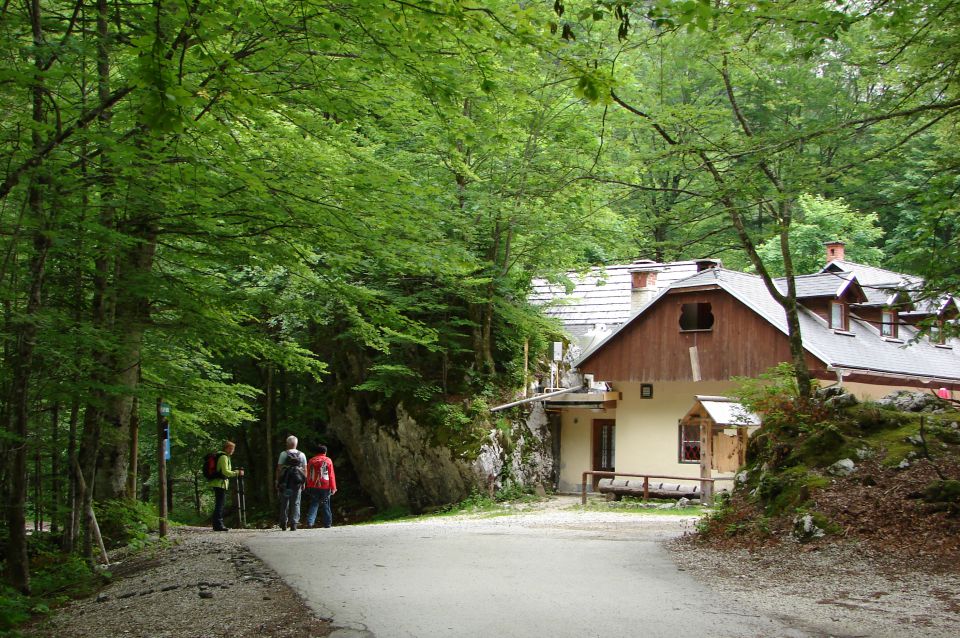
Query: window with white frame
689, 443
838, 315
888, 323
936, 332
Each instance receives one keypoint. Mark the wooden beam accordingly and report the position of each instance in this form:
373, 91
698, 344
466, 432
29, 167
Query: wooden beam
706, 461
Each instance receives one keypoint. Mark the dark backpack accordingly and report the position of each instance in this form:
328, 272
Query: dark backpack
210, 461
292, 475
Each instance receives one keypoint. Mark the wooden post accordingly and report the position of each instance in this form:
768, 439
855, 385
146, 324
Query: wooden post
161, 468
646, 489
742, 439
526, 365
583, 489
134, 448
706, 461
196, 493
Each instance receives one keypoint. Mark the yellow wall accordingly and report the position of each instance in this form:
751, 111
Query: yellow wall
646, 431
576, 427
868, 392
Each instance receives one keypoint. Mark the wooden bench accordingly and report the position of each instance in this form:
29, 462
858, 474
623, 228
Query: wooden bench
618, 488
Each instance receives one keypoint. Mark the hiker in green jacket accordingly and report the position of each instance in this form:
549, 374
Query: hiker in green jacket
220, 485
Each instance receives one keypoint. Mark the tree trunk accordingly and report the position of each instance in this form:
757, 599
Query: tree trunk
56, 486
18, 567
72, 522
134, 447
18, 564
86, 469
268, 436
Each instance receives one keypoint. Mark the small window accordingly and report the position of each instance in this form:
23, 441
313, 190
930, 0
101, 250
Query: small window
689, 443
936, 333
696, 316
838, 315
888, 323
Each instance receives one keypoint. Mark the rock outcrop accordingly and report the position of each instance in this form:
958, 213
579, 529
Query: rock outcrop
399, 463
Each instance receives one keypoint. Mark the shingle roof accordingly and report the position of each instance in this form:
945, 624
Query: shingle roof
828, 284
602, 295
725, 411
878, 284
861, 348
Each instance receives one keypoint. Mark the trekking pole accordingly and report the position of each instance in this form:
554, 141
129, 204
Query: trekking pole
241, 502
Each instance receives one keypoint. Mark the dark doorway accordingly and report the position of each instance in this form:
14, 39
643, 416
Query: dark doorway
604, 447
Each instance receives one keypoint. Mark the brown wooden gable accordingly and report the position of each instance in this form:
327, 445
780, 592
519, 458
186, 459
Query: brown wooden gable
654, 348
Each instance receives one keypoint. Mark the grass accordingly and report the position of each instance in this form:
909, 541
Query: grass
895, 442
638, 506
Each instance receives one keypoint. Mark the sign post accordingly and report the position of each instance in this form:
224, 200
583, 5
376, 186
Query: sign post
163, 453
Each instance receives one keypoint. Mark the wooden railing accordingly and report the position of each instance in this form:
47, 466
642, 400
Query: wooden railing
706, 484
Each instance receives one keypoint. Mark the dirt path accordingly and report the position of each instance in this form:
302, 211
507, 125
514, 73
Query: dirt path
207, 585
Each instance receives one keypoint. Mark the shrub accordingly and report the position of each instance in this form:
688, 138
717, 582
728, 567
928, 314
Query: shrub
124, 522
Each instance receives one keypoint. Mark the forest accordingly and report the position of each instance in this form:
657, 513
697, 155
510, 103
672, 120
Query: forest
293, 217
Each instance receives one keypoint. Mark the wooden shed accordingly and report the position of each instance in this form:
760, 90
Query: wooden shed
725, 426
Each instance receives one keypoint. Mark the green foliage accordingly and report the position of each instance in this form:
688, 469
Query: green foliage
461, 428
945, 491
820, 220
124, 522
795, 429
55, 579
788, 490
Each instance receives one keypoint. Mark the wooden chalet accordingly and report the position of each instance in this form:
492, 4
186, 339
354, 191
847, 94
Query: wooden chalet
698, 333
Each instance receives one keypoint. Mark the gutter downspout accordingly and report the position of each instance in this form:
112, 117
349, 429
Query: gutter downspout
536, 398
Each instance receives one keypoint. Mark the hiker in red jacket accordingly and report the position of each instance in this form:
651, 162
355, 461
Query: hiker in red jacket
321, 485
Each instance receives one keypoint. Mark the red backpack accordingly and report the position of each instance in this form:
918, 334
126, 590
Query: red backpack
210, 470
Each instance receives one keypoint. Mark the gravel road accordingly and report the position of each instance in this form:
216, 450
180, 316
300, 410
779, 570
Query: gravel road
211, 585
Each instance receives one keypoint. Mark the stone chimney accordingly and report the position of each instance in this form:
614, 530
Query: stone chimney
834, 250
643, 284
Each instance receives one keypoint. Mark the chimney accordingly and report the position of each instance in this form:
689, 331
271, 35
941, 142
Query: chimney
643, 288
707, 264
834, 250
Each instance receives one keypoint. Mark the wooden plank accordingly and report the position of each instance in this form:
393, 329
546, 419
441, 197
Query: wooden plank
653, 348
706, 459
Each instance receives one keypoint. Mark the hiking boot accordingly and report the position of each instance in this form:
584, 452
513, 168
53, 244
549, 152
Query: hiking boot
283, 527
293, 528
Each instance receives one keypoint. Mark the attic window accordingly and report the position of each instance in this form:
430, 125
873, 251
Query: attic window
696, 316
936, 333
838, 315
888, 323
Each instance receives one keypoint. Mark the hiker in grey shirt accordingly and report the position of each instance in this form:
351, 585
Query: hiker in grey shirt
291, 477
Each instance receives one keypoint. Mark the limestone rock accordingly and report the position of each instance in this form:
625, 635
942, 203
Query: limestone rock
907, 401
804, 529
843, 467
